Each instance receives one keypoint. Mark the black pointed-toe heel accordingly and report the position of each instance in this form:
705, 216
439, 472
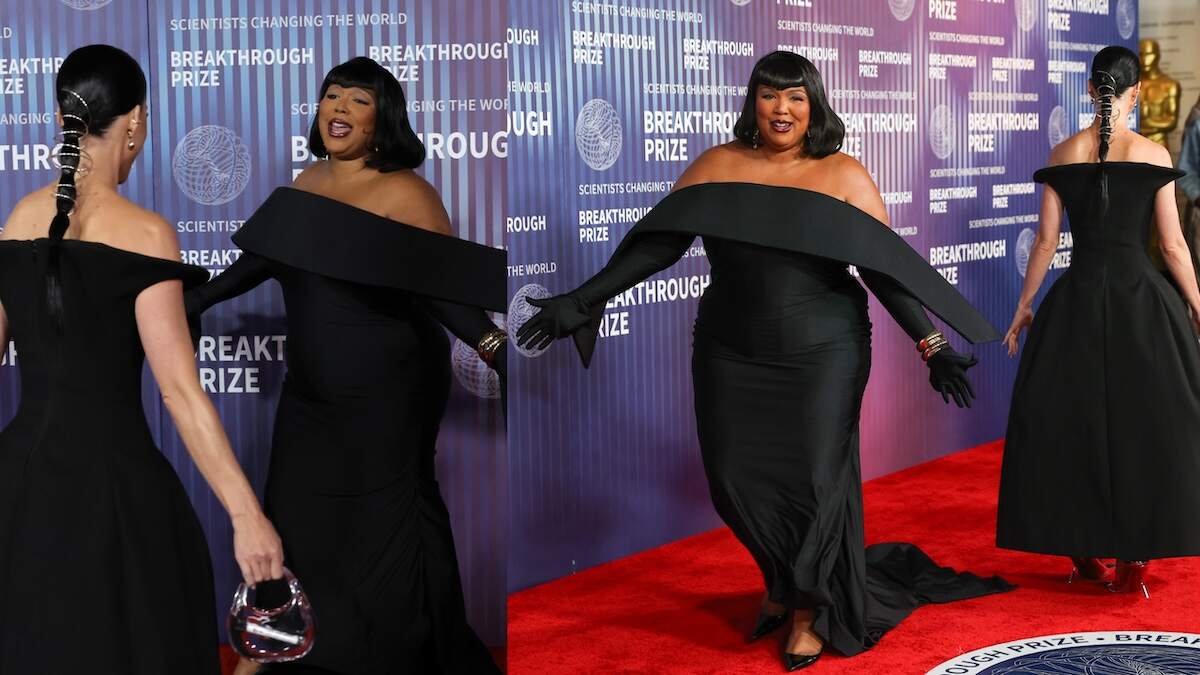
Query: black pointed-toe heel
794, 662
766, 624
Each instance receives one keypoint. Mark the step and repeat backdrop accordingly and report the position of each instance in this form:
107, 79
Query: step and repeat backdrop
951, 104
233, 91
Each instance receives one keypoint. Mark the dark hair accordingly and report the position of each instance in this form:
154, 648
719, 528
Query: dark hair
393, 145
95, 85
1114, 70
784, 70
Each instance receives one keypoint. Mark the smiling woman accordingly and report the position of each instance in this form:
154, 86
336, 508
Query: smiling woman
362, 108
361, 246
782, 352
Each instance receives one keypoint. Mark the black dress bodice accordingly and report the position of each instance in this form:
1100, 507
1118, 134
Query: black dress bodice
767, 301
1120, 231
385, 327
93, 366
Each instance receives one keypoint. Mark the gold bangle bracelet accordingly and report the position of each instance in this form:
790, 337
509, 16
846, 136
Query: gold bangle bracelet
931, 340
928, 353
489, 343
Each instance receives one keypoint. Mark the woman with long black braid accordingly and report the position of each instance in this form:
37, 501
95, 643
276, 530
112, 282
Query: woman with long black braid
1101, 459
103, 565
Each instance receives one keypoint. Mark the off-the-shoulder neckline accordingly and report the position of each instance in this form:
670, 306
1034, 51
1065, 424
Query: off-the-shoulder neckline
360, 210
817, 193
1074, 164
109, 247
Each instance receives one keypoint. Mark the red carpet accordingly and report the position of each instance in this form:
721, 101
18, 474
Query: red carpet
684, 607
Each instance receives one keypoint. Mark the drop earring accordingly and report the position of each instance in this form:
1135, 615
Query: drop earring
754, 140
130, 143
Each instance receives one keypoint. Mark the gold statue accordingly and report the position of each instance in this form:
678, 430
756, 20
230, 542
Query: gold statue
1159, 105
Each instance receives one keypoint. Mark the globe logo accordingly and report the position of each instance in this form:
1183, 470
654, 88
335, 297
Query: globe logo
1024, 246
941, 131
740, 3
598, 134
1026, 11
1057, 128
901, 9
85, 5
211, 165
472, 373
1107, 653
520, 311
1126, 18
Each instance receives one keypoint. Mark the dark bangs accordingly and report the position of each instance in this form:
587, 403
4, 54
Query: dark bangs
393, 145
785, 70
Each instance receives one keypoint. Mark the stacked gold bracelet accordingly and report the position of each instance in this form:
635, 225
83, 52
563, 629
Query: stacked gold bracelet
489, 343
932, 344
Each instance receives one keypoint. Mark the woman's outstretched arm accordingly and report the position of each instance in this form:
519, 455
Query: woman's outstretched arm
245, 274
947, 368
564, 314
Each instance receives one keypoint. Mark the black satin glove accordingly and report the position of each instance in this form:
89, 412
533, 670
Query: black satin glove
948, 376
560, 316
500, 361
564, 314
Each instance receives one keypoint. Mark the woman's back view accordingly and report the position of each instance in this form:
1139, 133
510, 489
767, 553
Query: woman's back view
1105, 417
103, 565
99, 546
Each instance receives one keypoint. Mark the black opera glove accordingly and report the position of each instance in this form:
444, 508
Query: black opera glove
560, 316
948, 376
500, 362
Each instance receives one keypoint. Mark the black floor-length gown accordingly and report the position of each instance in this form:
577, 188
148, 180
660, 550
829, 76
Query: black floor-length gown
351, 485
782, 353
1102, 456
103, 564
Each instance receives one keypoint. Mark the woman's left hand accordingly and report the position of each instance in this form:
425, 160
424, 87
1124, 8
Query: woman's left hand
948, 376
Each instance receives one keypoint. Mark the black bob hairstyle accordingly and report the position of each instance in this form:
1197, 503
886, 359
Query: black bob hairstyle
393, 145
784, 70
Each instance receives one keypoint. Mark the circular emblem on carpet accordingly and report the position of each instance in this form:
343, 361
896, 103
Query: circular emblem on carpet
1119, 653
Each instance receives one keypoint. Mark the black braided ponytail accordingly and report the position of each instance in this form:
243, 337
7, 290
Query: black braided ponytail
95, 85
1114, 70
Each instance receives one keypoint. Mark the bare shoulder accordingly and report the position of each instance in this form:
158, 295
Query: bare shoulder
1145, 150
147, 233
410, 199
848, 172
30, 217
713, 165
310, 176
1073, 149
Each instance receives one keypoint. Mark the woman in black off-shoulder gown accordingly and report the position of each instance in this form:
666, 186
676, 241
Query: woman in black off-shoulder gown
104, 568
782, 352
351, 483
1102, 456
